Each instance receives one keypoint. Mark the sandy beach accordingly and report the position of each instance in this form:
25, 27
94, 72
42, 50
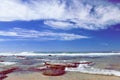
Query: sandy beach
75, 68
67, 76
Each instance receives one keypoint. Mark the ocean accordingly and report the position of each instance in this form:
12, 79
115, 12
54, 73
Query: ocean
102, 63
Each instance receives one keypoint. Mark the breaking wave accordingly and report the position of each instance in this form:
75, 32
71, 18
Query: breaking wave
7, 63
58, 54
85, 68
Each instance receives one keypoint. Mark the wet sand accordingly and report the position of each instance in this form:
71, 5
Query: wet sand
28, 66
68, 76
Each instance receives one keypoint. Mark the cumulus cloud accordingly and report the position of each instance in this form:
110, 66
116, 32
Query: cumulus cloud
63, 14
24, 34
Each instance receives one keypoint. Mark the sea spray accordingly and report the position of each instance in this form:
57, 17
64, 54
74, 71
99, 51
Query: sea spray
58, 54
7, 63
85, 68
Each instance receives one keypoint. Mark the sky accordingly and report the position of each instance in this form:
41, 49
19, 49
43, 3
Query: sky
59, 25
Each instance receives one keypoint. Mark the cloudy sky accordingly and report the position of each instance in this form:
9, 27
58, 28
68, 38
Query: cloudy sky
59, 25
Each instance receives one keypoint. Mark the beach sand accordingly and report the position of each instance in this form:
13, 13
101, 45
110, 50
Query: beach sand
67, 76
28, 68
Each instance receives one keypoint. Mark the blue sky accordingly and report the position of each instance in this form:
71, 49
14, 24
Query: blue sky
59, 25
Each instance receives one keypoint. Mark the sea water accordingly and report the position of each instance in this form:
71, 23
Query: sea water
104, 63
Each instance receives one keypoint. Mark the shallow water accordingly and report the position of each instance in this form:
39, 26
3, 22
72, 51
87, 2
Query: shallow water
101, 63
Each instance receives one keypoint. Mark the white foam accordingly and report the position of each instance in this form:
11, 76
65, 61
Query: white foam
7, 63
84, 68
58, 54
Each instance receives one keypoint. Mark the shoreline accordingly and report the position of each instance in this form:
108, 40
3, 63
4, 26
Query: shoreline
67, 76
31, 67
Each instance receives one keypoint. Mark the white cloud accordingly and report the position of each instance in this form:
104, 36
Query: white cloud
8, 39
24, 34
59, 24
5, 33
96, 14
12, 10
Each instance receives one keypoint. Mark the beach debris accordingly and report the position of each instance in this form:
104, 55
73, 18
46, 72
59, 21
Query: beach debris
71, 64
54, 70
3, 74
68, 64
61, 64
40, 68
2, 77
86, 62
